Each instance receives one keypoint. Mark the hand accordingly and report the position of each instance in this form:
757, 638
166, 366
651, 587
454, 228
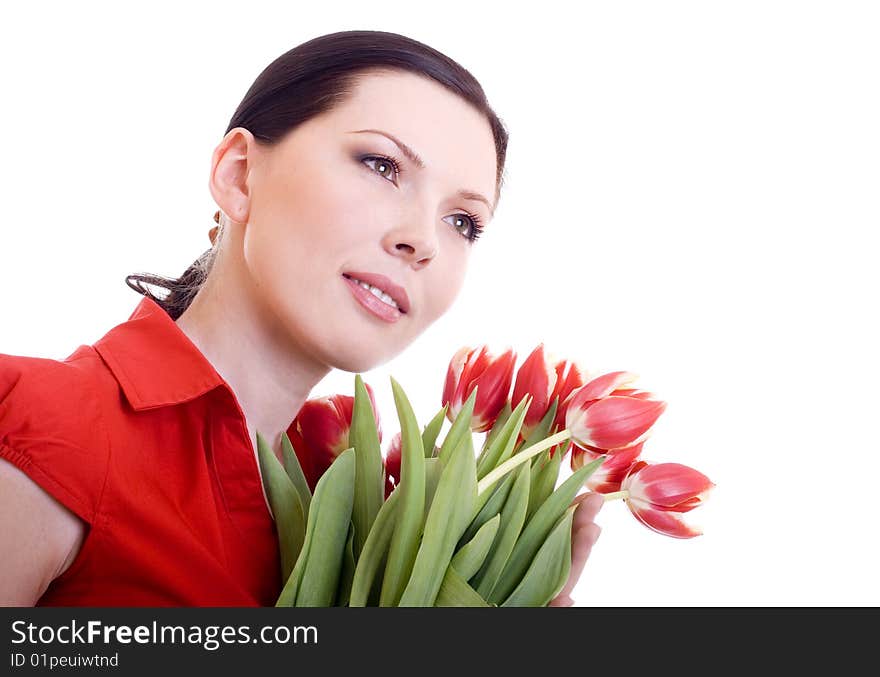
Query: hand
584, 532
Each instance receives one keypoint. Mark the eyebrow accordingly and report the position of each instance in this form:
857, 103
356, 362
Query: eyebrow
418, 162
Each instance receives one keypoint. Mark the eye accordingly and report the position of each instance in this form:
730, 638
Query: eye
471, 223
384, 162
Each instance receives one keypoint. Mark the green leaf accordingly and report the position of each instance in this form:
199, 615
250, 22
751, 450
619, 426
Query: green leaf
327, 533
503, 415
502, 446
295, 472
455, 591
347, 573
375, 552
432, 430
461, 426
448, 517
433, 469
549, 570
287, 511
538, 528
408, 526
325, 507
369, 490
521, 456
513, 517
493, 500
470, 557
545, 474
542, 430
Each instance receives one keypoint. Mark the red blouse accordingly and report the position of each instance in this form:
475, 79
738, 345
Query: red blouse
140, 437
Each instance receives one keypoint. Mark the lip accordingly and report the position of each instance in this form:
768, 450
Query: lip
395, 291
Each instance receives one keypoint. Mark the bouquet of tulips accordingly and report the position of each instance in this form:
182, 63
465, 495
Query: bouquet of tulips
430, 524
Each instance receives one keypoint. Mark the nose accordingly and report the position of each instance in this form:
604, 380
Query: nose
415, 241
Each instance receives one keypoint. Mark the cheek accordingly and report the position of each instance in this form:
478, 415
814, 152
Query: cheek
313, 225
338, 217
312, 194
445, 285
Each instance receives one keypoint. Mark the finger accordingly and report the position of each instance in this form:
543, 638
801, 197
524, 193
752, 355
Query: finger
561, 600
588, 506
582, 542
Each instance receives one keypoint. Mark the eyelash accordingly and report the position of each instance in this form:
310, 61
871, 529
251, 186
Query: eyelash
477, 226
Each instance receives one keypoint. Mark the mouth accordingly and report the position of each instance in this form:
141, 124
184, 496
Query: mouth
383, 289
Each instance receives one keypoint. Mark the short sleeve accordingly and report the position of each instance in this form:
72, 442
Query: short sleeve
51, 429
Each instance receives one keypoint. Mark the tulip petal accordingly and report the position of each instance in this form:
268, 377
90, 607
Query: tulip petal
493, 389
671, 485
663, 522
453, 373
580, 457
635, 392
569, 376
611, 473
536, 376
321, 425
618, 421
466, 365
392, 465
470, 368
604, 385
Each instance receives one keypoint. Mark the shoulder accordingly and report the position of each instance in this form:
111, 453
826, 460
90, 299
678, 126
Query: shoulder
52, 427
57, 397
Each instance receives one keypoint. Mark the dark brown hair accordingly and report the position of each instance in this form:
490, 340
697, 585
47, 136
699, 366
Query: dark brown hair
309, 80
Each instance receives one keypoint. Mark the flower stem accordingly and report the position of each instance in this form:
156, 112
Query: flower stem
615, 494
521, 457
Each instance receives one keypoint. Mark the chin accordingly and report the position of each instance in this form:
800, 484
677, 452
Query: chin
347, 346
358, 359
355, 364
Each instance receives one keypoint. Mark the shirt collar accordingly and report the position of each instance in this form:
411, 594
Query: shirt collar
155, 363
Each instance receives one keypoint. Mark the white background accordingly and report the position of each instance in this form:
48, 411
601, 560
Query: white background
692, 195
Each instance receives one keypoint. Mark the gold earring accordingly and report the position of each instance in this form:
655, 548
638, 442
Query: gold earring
212, 234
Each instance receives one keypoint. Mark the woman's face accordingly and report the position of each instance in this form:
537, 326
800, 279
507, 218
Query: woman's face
325, 206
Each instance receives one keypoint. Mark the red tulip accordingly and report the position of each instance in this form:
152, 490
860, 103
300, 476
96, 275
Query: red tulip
492, 376
392, 465
608, 476
322, 425
659, 493
601, 419
569, 377
545, 380
537, 377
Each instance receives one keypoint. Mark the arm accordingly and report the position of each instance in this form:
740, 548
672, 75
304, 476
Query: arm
39, 538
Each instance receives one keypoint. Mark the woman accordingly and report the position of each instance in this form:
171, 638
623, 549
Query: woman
352, 182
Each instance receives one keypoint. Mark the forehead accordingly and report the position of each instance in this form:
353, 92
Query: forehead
452, 138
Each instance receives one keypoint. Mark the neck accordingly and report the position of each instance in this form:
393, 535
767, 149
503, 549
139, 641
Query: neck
270, 377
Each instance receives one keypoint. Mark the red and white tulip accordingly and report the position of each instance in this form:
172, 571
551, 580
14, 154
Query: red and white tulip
602, 415
492, 376
659, 494
537, 377
608, 477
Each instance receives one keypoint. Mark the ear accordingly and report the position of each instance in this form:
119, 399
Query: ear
231, 166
